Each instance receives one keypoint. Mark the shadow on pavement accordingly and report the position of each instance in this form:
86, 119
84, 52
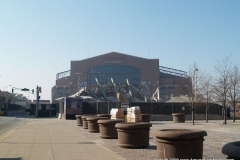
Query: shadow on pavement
156, 123
153, 147
86, 143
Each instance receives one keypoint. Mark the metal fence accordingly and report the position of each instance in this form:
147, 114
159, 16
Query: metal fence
14, 107
169, 108
99, 107
152, 108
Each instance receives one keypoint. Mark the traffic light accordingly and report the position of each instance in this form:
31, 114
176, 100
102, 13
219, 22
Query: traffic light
12, 90
38, 97
40, 90
32, 91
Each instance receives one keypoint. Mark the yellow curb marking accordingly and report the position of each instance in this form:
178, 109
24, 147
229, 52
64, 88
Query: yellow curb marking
8, 134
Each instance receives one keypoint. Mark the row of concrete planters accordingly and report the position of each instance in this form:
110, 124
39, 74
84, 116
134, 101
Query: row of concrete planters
79, 120
84, 119
133, 134
171, 143
92, 123
84, 122
178, 117
107, 128
104, 115
180, 143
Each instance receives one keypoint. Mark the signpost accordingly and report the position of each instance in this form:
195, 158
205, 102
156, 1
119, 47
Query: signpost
38, 97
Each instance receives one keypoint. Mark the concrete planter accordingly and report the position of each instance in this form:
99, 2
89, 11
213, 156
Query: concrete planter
146, 117
79, 120
178, 117
104, 115
232, 150
133, 134
92, 123
84, 122
107, 128
180, 143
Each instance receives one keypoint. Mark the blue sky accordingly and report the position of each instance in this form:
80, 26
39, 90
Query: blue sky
39, 38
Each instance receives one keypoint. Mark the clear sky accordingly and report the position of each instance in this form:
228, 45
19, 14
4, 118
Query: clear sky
39, 38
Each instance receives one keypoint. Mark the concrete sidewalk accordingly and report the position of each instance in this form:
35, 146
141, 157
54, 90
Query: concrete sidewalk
51, 139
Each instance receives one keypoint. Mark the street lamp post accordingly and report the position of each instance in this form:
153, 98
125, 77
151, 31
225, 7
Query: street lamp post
79, 74
195, 82
6, 87
195, 94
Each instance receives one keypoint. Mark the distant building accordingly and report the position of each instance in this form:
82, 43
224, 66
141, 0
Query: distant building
7, 98
118, 67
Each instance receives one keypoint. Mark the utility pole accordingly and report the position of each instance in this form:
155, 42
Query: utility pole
37, 101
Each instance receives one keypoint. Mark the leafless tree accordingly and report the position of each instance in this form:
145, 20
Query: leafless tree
233, 92
191, 87
206, 92
221, 86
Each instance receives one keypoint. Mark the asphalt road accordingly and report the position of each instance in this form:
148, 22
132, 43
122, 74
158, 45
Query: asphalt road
8, 123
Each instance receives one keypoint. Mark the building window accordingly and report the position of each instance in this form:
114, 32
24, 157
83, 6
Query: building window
119, 73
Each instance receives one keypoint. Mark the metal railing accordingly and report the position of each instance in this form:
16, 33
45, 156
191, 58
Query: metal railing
172, 71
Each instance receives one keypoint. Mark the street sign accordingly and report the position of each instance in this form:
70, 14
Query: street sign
25, 89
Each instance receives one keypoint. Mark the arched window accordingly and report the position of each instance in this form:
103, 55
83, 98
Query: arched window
119, 73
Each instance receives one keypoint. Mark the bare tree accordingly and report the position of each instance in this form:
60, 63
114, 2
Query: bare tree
221, 86
191, 87
233, 92
206, 92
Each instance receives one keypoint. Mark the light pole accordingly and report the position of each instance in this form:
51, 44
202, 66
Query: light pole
5, 86
195, 82
79, 74
195, 94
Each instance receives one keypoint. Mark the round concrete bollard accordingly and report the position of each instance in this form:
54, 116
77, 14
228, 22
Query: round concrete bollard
133, 134
84, 122
178, 117
92, 123
107, 128
232, 150
79, 120
180, 143
104, 115
146, 117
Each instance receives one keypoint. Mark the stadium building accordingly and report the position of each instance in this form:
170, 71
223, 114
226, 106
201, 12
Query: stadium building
115, 76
